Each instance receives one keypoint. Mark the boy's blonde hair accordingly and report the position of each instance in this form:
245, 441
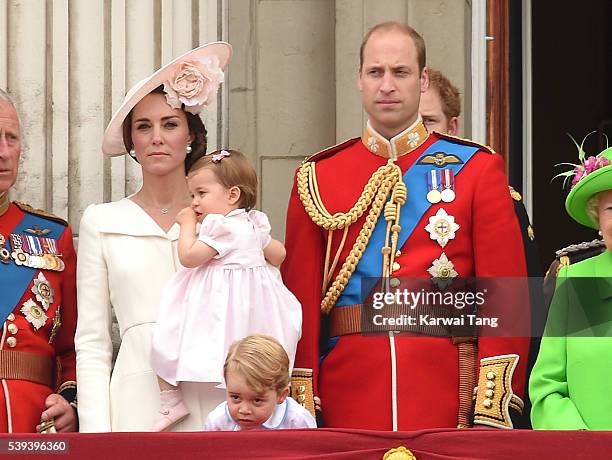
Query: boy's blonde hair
234, 170
261, 360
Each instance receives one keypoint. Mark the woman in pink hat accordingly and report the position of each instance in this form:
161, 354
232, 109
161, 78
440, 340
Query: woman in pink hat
128, 248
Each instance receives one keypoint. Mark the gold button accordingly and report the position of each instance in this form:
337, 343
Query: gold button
301, 398
11, 317
489, 393
490, 385
394, 282
12, 328
302, 389
396, 266
491, 375
487, 403
11, 341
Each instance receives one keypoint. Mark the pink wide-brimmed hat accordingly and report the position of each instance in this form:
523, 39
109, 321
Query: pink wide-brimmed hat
191, 80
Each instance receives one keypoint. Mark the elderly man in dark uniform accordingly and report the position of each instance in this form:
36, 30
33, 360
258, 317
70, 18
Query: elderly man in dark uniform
37, 304
402, 204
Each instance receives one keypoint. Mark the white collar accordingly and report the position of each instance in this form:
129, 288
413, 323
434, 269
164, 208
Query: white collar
235, 212
273, 423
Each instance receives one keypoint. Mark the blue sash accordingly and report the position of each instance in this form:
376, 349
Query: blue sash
370, 265
15, 279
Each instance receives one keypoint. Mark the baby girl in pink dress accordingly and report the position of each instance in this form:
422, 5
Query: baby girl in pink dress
227, 290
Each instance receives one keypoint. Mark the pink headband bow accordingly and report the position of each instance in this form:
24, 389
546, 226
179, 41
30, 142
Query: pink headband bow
219, 156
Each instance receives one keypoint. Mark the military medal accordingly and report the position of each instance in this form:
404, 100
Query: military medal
442, 271
442, 227
32, 245
5, 255
433, 185
36, 252
448, 179
20, 257
54, 262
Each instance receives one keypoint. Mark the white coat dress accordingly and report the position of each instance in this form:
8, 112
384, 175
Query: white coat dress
124, 260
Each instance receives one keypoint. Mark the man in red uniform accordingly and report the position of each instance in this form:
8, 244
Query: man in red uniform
402, 204
37, 304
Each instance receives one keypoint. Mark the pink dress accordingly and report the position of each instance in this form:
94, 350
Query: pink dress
204, 309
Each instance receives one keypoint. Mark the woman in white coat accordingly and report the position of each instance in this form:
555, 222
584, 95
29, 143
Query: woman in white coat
128, 248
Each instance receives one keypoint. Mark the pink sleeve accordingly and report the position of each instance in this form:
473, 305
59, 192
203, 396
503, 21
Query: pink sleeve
216, 232
262, 226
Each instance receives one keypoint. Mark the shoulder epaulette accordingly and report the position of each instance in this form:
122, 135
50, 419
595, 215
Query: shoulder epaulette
572, 254
39, 212
328, 152
463, 141
580, 247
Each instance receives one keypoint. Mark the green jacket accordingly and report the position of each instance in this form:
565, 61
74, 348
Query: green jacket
571, 383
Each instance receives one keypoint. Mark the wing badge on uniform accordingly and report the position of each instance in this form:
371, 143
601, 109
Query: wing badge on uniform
440, 159
36, 230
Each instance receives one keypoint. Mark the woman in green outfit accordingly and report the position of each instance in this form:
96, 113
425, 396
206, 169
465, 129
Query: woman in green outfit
571, 382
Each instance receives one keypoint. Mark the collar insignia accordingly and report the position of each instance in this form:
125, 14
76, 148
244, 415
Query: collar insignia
401, 144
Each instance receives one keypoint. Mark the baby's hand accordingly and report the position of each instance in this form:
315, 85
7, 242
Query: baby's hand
186, 216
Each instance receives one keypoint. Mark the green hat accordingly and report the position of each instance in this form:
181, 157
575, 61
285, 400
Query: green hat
594, 176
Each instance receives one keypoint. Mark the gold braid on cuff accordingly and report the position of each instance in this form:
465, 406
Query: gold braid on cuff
494, 395
302, 389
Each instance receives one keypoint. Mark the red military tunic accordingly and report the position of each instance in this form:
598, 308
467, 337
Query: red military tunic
361, 379
37, 354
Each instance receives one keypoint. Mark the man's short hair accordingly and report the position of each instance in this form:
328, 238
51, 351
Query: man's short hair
449, 94
6, 97
419, 43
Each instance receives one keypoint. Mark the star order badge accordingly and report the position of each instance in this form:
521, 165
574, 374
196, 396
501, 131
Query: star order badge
442, 271
34, 314
43, 291
442, 227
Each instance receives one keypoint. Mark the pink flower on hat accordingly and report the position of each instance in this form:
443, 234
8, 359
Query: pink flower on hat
588, 166
194, 83
579, 173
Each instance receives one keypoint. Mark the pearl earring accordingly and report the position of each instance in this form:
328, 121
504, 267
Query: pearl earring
133, 153
600, 233
188, 149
